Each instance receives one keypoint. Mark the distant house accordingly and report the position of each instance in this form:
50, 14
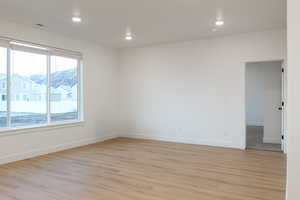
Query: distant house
23, 89
59, 94
3, 87
26, 90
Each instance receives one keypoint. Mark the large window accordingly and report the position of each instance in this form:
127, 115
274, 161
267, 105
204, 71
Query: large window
3, 90
31, 108
64, 86
38, 85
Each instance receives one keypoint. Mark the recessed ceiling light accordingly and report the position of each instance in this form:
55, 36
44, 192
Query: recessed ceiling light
76, 19
128, 37
219, 23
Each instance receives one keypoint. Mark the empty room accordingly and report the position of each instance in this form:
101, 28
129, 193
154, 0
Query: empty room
149, 100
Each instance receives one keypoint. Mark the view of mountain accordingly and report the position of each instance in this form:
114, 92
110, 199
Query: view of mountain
66, 78
39, 79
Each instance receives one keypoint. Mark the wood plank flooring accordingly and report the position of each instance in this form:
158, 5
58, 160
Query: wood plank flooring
132, 169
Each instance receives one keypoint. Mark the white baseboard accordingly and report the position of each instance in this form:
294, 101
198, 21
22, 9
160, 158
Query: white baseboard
226, 144
39, 152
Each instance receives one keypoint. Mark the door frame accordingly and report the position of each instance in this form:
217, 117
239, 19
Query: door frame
284, 103
283, 99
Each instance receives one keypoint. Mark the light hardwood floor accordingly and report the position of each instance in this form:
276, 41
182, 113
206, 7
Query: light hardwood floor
123, 169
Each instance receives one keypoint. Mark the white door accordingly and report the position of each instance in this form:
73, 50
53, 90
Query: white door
272, 104
272, 117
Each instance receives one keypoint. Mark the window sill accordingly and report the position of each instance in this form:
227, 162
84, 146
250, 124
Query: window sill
27, 129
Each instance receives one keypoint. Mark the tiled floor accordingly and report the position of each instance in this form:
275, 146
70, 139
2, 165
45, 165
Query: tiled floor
255, 140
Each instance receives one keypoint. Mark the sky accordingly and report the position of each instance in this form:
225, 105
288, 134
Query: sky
27, 64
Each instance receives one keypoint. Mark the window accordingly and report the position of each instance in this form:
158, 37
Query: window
24, 66
3, 91
63, 88
38, 85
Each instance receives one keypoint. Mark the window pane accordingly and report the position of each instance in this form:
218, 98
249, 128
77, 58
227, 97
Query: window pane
28, 89
63, 89
3, 89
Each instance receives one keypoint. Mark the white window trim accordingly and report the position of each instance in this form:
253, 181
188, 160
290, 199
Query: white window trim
7, 131
8, 88
49, 89
10, 44
80, 104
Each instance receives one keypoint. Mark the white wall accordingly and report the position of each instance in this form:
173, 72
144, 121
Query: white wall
193, 91
100, 99
254, 95
263, 98
293, 106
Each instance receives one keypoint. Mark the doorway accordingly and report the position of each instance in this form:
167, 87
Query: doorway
264, 105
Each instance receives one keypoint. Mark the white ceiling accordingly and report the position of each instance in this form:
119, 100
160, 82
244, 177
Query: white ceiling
152, 21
